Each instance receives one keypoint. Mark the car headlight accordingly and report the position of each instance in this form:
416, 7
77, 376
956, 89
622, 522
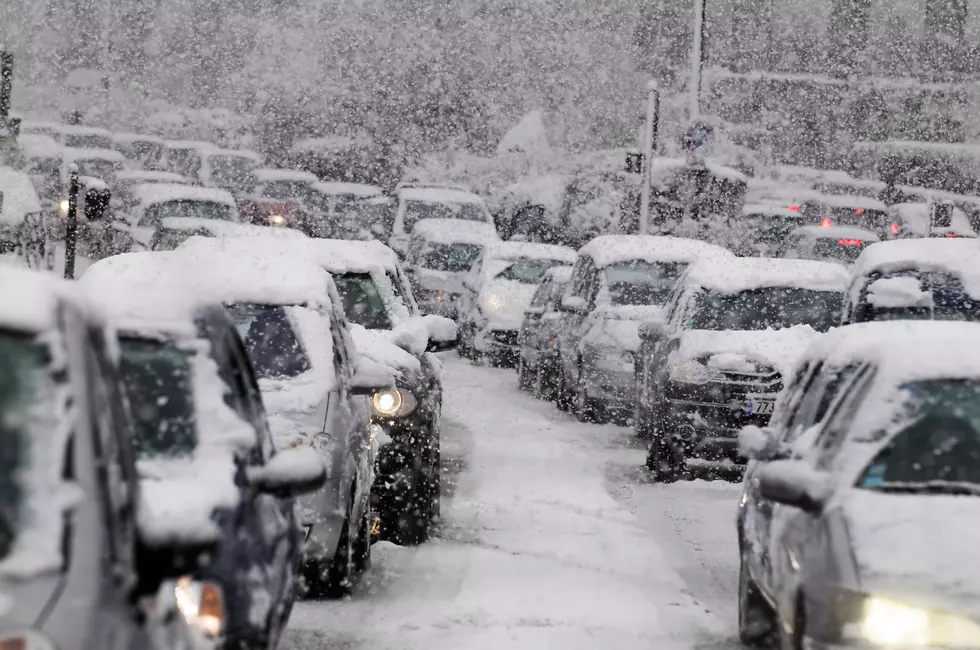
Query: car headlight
276, 220
886, 622
63, 208
202, 604
394, 403
25, 640
692, 371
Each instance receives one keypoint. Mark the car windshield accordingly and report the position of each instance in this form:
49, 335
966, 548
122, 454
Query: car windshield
527, 270
362, 301
25, 418
453, 258
767, 308
193, 209
271, 341
417, 210
298, 190
937, 446
233, 173
159, 386
186, 162
841, 249
87, 141
140, 150
98, 168
637, 282
924, 296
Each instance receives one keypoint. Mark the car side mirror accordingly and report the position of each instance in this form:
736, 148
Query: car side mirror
290, 473
370, 377
443, 333
795, 483
574, 305
652, 331
759, 443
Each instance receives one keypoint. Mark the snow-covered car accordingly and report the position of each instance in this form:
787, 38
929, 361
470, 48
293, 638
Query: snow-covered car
203, 438
24, 227
496, 291
338, 210
144, 150
80, 548
418, 202
126, 180
42, 158
440, 254
618, 282
173, 232
762, 229
910, 220
184, 207
538, 360
315, 385
857, 522
828, 243
732, 333
915, 279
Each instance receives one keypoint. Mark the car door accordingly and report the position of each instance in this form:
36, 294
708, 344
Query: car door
343, 424
529, 336
659, 366
467, 304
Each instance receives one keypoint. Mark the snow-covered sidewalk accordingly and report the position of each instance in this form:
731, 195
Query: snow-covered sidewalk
535, 553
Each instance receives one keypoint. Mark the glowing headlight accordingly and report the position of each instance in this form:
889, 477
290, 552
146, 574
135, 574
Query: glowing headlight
692, 372
496, 303
277, 219
63, 208
886, 622
394, 403
202, 605
25, 640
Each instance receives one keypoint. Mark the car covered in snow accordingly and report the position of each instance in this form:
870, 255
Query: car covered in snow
915, 279
496, 291
828, 243
732, 332
170, 207
339, 210
856, 525
83, 549
417, 202
203, 438
538, 360
844, 210
103, 164
228, 169
440, 254
912, 220
618, 282
282, 183
24, 226
315, 385
185, 157
762, 229
144, 150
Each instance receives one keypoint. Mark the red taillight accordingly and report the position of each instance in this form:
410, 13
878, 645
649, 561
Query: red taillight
859, 210
849, 242
952, 235
894, 227
794, 208
825, 222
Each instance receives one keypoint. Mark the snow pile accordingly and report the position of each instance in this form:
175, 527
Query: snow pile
731, 362
752, 440
898, 292
528, 136
29, 299
440, 328
747, 273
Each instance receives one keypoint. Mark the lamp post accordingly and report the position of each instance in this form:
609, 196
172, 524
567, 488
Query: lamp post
71, 224
697, 57
649, 145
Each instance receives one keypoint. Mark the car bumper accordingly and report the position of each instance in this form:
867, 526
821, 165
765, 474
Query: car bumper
500, 343
322, 517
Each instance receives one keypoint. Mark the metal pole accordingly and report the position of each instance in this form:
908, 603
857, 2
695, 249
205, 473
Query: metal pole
71, 227
697, 57
649, 146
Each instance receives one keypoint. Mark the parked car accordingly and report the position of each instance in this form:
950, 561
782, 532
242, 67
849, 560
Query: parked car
497, 289
857, 516
163, 211
418, 202
618, 282
315, 385
538, 362
83, 551
915, 279
910, 220
843, 210
202, 436
827, 243
229, 169
731, 334
144, 150
440, 254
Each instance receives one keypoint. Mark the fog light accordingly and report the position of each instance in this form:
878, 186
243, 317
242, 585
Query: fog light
202, 605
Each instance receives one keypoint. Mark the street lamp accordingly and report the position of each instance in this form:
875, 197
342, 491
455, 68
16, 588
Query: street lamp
697, 57
649, 144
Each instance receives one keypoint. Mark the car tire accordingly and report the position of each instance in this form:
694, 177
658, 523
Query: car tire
662, 461
641, 421
413, 523
756, 621
586, 409
334, 579
563, 398
362, 545
525, 381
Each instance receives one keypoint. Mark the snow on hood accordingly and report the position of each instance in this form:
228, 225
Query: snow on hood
378, 346
778, 349
503, 302
898, 292
618, 325
455, 231
915, 546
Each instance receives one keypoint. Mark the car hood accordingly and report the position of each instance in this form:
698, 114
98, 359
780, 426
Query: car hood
618, 327
503, 302
432, 280
739, 351
22, 601
917, 548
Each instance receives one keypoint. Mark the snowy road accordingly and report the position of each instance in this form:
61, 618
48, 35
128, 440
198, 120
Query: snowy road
552, 539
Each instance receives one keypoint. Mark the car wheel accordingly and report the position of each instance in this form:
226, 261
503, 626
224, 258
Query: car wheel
362, 545
662, 462
587, 409
756, 623
641, 420
413, 522
563, 398
525, 381
334, 579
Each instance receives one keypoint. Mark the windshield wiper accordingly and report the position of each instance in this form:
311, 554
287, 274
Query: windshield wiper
932, 487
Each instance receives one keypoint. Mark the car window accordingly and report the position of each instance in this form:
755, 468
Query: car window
580, 275
452, 258
363, 304
246, 386
638, 282
840, 415
154, 214
416, 211
794, 392
526, 270
540, 298
273, 346
766, 308
298, 190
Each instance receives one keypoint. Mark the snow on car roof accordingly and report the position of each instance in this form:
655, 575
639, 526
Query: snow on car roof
847, 201
438, 195
267, 174
837, 232
337, 188
77, 129
746, 273
124, 138
29, 299
505, 250
958, 257
150, 193
152, 175
72, 154
344, 256
612, 249
768, 210
19, 196
455, 231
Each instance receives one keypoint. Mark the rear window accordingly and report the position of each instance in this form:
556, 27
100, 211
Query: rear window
287, 190
415, 211
192, 209
641, 283
767, 308
452, 258
90, 141
917, 296
273, 345
842, 249
99, 168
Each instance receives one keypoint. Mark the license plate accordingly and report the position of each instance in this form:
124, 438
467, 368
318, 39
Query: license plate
759, 405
